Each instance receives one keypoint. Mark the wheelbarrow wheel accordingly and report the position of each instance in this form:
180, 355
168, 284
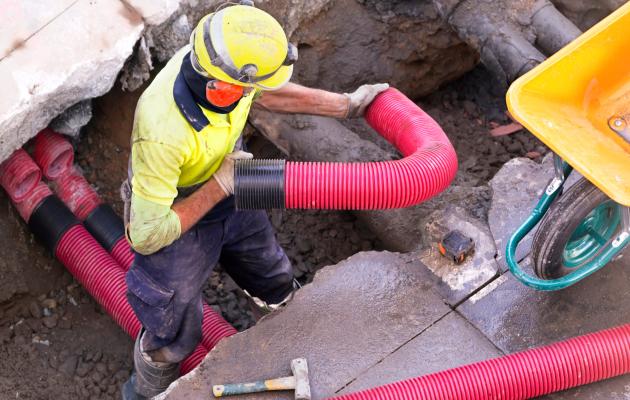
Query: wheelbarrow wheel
574, 231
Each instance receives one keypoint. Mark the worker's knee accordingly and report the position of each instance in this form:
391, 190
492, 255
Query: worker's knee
152, 303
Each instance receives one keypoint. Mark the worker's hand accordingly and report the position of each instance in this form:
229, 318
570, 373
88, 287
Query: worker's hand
362, 97
225, 174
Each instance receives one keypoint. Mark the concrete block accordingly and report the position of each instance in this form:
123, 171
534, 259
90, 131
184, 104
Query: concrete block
457, 282
154, 12
75, 56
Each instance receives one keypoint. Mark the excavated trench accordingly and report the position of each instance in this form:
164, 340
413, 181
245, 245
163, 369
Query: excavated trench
55, 340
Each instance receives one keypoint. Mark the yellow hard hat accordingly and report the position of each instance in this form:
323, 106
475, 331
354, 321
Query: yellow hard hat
243, 45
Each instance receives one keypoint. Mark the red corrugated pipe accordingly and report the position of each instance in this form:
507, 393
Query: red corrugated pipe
53, 153
76, 192
428, 167
525, 375
19, 175
80, 253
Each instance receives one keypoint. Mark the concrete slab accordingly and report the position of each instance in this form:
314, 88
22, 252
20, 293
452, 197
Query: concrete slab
451, 342
73, 57
350, 318
457, 282
515, 317
516, 189
154, 12
23, 19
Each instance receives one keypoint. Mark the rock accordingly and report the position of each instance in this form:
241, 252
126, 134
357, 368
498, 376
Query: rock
50, 322
112, 389
65, 323
5, 334
85, 393
22, 329
121, 376
112, 366
83, 368
34, 324
97, 356
101, 368
51, 304
20, 340
69, 365
73, 119
36, 311
96, 377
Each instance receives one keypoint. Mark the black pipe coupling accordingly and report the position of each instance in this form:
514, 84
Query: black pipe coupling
105, 225
50, 221
259, 184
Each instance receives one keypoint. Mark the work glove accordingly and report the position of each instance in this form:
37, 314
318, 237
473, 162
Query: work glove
362, 97
225, 174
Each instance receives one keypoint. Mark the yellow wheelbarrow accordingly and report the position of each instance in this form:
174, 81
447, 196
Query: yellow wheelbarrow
578, 103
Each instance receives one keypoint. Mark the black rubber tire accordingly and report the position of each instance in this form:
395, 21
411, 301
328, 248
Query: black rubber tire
557, 226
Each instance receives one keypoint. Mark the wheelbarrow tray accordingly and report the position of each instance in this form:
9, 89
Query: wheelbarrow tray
568, 100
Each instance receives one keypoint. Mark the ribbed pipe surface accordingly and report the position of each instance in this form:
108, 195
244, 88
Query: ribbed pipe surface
53, 153
528, 374
214, 327
27, 205
121, 252
430, 164
76, 192
99, 274
19, 175
194, 359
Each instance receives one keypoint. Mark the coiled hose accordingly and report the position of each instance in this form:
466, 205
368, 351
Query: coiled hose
102, 222
428, 167
528, 374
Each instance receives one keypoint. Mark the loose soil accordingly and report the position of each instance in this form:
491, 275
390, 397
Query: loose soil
56, 343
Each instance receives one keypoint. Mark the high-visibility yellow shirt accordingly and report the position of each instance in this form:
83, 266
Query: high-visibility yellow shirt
167, 151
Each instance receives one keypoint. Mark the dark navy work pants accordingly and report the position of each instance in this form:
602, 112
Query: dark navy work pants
165, 288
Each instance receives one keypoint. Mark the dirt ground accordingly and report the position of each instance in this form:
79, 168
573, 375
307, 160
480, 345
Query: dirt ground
55, 341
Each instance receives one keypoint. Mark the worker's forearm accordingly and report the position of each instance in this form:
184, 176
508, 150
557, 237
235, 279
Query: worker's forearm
294, 98
194, 207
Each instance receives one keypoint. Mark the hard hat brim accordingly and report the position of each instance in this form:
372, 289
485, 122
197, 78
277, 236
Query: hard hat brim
278, 80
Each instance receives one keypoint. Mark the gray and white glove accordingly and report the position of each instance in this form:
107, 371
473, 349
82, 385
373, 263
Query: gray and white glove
225, 174
362, 97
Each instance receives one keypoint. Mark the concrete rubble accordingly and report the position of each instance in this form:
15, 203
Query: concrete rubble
42, 81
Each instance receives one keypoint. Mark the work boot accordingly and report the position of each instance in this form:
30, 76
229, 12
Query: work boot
149, 378
261, 308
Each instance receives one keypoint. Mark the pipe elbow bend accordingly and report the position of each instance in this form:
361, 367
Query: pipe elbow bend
428, 167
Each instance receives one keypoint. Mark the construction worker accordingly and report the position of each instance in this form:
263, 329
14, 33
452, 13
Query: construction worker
180, 212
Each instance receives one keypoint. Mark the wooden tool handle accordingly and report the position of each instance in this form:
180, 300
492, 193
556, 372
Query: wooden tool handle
231, 389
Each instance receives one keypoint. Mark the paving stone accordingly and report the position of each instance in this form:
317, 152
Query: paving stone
457, 282
350, 318
450, 343
516, 188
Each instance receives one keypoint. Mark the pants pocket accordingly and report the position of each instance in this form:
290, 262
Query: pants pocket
152, 303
